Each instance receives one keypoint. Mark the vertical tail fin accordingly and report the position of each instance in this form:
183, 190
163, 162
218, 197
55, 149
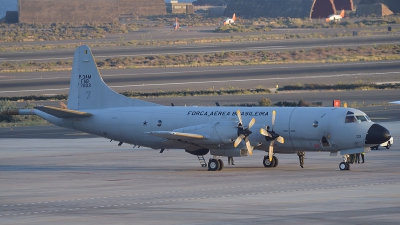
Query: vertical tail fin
234, 17
87, 89
342, 13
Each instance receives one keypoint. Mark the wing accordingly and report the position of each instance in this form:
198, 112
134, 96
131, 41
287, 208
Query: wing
62, 113
54, 111
187, 141
175, 135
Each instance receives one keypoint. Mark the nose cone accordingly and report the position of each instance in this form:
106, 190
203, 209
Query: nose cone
377, 134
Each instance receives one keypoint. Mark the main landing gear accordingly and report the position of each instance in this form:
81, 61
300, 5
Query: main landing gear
215, 164
273, 163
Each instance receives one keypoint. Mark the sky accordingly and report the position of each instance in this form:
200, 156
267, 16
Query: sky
7, 5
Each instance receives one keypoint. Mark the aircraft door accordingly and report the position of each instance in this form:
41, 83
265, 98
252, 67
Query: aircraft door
309, 131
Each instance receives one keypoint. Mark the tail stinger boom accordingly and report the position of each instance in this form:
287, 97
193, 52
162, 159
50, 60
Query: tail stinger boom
87, 88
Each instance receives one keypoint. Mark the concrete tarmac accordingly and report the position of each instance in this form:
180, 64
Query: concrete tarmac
93, 181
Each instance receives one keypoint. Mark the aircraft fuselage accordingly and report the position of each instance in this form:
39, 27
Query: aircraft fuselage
304, 129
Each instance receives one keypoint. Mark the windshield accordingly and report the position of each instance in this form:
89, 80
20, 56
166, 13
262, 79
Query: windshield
350, 119
362, 118
358, 118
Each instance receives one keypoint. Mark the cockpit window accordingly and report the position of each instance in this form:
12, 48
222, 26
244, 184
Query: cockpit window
361, 118
350, 119
357, 118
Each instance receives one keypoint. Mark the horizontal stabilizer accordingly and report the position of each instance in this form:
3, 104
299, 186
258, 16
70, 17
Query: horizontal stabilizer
62, 113
175, 135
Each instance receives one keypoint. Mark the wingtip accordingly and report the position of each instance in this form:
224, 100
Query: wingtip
10, 112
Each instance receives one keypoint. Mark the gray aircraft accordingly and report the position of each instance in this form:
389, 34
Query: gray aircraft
221, 131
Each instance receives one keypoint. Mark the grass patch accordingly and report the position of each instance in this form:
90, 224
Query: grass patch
347, 87
23, 32
315, 55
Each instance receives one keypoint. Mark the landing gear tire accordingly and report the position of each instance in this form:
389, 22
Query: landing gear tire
388, 145
267, 163
344, 166
213, 165
275, 159
221, 164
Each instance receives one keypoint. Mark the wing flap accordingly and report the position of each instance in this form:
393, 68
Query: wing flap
175, 135
62, 113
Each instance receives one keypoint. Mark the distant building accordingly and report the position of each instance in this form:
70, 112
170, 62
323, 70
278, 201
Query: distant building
86, 11
287, 8
176, 7
12, 17
211, 11
378, 7
344, 4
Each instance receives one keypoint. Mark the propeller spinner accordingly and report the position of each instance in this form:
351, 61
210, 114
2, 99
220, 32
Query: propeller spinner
271, 136
243, 133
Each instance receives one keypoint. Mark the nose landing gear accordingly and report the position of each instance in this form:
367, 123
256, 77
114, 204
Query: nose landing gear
344, 165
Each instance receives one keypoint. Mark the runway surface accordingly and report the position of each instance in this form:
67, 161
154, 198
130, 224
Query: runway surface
92, 181
102, 53
202, 78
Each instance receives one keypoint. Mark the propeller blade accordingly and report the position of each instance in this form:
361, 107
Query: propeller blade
273, 118
238, 140
265, 132
280, 139
249, 147
239, 115
252, 122
271, 150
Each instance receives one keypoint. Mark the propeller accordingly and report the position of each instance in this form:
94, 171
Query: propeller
271, 136
243, 133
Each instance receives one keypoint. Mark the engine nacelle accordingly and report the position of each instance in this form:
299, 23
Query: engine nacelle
203, 151
237, 152
214, 133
